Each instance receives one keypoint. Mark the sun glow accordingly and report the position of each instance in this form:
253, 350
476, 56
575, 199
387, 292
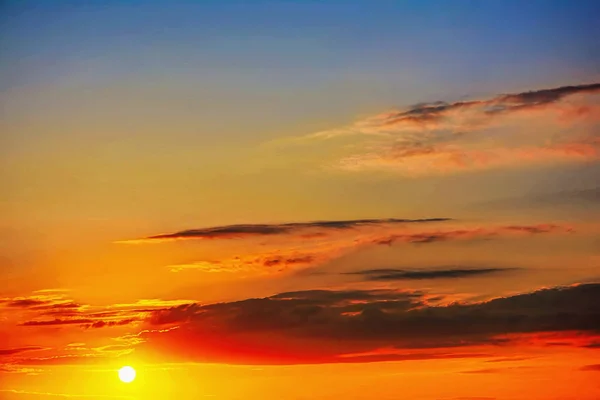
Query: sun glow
127, 374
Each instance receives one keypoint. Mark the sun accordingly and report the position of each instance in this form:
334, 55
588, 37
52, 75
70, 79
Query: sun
127, 374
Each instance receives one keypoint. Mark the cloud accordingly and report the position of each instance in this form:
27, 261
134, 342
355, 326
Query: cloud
565, 338
58, 321
462, 114
439, 112
102, 324
322, 325
470, 233
83, 322
591, 367
443, 159
14, 369
47, 301
63, 395
286, 252
535, 127
391, 274
402, 355
24, 303
589, 197
58, 306
315, 254
10, 352
257, 263
59, 310
258, 230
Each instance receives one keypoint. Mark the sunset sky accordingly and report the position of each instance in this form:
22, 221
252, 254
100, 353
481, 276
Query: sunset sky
264, 200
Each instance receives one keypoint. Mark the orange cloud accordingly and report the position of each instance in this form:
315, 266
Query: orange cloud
530, 128
59, 310
467, 115
444, 159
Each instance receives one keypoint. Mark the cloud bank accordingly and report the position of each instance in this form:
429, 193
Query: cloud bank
318, 326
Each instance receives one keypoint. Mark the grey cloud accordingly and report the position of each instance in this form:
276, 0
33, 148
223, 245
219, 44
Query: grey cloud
391, 274
251, 230
322, 325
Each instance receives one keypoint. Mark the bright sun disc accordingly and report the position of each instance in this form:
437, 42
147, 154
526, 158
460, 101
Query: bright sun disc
127, 374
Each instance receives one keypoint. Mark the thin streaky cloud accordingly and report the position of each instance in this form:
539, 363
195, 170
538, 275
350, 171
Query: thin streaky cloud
258, 230
392, 274
435, 113
17, 350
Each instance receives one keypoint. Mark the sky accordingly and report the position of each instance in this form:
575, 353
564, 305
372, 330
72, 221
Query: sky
300, 199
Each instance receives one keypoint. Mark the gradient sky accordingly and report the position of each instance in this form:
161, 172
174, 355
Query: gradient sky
237, 196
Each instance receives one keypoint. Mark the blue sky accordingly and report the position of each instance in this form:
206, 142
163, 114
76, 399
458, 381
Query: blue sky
298, 43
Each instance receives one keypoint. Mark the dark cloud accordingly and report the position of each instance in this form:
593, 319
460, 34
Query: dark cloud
509, 359
25, 303
323, 325
484, 371
541, 97
471, 233
332, 297
591, 367
252, 230
58, 321
39, 303
391, 274
17, 350
103, 324
503, 104
278, 260
84, 322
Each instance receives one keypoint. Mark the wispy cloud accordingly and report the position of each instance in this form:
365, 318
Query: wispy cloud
451, 158
470, 233
393, 274
60, 310
504, 131
10, 352
257, 263
63, 395
303, 245
85, 322
258, 230
16, 369
464, 114
310, 250
46, 301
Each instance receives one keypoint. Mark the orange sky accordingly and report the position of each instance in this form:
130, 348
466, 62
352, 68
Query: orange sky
300, 200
